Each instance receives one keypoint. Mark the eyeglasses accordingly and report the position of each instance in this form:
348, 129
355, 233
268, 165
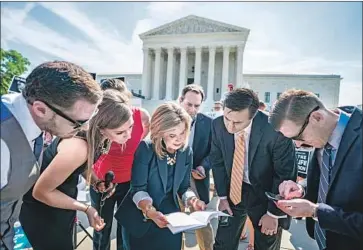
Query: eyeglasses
298, 137
76, 123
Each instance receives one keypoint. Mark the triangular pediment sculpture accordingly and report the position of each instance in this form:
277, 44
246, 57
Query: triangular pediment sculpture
192, 25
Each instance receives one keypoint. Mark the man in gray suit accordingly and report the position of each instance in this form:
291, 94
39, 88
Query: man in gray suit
59, 98
248, 159
333, 194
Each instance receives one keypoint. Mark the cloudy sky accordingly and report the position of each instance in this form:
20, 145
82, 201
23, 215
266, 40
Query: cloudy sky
319, 37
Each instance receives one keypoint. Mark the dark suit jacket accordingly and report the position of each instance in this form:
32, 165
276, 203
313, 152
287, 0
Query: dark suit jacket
149, 174
271, 159
342, 215
201, 148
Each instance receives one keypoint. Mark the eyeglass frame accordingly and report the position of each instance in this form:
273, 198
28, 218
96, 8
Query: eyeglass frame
76, 124
306, 123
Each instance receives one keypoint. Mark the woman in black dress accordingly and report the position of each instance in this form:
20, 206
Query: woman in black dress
49, 208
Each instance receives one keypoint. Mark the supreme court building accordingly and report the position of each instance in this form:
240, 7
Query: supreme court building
207, 52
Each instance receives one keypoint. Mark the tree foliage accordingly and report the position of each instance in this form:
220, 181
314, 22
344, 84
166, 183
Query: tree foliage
13, 64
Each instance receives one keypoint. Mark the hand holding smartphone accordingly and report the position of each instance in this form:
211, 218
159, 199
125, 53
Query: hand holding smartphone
224, 220
198, 173
274, 197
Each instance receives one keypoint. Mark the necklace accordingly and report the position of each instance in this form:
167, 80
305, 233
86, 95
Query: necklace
171, 160
106, 146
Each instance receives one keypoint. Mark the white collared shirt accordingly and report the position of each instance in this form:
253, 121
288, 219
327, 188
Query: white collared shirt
334, 139
247, 133
19, 108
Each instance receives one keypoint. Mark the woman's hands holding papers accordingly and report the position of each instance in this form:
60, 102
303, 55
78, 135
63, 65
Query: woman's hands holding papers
158, 217
197, 204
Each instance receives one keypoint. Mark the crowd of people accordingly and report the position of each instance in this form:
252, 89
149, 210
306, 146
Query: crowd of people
162, 163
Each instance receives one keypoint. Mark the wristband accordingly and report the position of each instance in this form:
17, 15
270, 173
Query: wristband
87, 208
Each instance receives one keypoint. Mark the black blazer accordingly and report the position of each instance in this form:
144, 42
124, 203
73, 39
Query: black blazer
271, 158
149, 174
202, 141
342, 215
201, 149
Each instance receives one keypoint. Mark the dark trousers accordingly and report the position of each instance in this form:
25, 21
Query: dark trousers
228, 236
203, 187
101, 239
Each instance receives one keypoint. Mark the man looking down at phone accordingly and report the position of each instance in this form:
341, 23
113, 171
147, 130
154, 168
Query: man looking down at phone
200, 139
333, 194
248, 159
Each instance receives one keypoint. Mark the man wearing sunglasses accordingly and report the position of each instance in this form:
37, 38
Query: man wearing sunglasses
332, 198
59, 98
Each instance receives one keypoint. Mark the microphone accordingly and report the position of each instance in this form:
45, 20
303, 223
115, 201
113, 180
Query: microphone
109, 176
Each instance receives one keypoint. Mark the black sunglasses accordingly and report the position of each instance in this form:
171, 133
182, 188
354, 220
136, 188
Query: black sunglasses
76, 124
299, 135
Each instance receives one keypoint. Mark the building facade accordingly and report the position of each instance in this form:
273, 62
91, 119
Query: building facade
210, 53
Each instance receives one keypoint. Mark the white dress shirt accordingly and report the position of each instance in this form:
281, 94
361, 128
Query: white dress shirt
334, 140
247, 132
19, 108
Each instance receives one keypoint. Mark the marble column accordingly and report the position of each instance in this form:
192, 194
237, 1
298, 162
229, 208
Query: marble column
145, 90
225, 69
156, 91
169, 74
239, 70
211, 65
183, 69
198, 65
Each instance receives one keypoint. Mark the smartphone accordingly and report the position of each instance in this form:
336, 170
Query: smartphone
224, 220
198, 173
274, 197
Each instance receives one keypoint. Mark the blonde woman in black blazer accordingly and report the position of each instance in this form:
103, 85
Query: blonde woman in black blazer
161, 173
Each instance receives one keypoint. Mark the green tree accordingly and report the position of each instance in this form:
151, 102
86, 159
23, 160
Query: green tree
12, 64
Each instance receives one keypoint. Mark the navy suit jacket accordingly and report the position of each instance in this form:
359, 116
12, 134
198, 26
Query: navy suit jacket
201, 149
271, 160
342, 215
149, 174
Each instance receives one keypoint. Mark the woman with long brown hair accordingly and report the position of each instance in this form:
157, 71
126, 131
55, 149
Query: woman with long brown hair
50, 207
117, 159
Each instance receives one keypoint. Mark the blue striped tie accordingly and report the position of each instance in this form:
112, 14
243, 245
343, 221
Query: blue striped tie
325, 173
38, 146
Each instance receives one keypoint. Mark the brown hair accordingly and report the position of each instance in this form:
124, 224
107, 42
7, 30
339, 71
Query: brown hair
294, 105
116, 84
61, 84
240, 99
193, 88
261, 105
113, 112
165, 117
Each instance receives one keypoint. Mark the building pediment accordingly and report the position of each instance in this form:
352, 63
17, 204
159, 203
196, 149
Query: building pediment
192, 25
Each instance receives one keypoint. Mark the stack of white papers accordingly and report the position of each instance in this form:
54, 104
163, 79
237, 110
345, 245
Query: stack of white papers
180, 222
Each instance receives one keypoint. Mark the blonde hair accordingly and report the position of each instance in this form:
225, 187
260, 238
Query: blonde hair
166, 117
113, 112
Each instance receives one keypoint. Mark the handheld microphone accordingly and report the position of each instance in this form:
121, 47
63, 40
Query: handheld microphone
109, 176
